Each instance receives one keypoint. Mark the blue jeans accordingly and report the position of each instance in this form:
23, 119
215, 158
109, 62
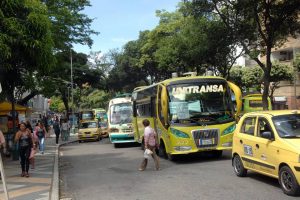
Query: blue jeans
41, 144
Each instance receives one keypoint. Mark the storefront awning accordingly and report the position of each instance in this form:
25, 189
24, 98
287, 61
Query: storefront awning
6, 107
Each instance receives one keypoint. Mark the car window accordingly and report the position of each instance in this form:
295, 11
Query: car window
263, 126
248, 126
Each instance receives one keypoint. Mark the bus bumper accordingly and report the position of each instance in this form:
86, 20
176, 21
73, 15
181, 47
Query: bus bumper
121, 137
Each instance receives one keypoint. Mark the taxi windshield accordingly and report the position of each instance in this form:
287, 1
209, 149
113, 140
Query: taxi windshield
88, 125
287, 126
200, 103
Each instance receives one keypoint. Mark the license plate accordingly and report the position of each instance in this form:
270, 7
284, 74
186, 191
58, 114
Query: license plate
206, 141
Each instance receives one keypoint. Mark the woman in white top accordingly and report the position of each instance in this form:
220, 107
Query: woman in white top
65, 127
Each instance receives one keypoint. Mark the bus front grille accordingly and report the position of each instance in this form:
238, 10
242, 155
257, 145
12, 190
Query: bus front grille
127, 130
206, 137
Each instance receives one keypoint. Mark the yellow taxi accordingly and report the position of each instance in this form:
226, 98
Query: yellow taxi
89, 130
268, 142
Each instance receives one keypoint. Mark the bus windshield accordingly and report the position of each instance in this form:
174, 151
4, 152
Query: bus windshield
121, 113
200, 103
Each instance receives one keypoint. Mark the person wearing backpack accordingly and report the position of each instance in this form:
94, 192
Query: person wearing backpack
40, 132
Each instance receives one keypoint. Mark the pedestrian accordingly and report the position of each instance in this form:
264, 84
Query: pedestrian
3, 144
41, 132
2, 147
28, 126
65, 127
35, 142
150, 144
25, 143
56, 128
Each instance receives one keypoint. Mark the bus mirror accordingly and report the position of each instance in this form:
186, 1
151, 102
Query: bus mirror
164, 105
238, 97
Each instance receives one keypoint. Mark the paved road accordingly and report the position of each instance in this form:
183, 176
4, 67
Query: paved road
97, 170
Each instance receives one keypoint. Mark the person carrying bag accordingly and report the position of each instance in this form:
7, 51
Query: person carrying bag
150, 146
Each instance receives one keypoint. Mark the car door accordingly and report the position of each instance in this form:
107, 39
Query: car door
245, 141
265, 150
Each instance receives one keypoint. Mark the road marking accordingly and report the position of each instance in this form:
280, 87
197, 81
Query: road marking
24, 191
30, 180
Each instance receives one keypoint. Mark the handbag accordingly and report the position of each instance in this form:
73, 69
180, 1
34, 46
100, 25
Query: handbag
147, 153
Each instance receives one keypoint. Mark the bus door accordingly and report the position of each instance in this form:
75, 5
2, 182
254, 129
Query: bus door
161, 119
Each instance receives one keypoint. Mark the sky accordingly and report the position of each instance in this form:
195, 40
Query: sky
120, 21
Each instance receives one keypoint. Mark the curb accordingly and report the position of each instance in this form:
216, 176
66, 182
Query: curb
54, 190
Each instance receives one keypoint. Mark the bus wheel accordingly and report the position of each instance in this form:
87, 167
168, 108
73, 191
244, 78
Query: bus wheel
143, 145
171, 157
162, 151
116, 145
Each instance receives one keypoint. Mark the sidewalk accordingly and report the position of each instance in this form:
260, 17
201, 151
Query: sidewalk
42, 179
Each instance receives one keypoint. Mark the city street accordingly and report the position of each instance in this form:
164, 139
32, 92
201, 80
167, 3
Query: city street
97, 170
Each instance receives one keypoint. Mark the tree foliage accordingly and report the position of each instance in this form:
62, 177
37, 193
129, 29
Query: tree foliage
257, 26
25, 43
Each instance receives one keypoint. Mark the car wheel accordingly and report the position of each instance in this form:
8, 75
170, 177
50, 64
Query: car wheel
79, 141
288, 181
238, 166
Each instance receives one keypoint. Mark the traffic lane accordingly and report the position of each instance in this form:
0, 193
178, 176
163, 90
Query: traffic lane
94, 170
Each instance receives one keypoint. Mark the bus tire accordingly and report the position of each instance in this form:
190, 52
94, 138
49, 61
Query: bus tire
162, 150
116, 145
171, 157
143, 145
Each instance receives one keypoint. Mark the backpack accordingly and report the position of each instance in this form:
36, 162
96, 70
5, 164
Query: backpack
40, 132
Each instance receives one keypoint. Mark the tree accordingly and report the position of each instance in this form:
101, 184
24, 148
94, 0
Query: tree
251, 77
258, 26
25, 43
69, 25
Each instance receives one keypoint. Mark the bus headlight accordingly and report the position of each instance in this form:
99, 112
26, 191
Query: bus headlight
114, 130
179, 133
229, 129
182, 148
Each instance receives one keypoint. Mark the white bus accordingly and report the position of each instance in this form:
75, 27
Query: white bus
120, 119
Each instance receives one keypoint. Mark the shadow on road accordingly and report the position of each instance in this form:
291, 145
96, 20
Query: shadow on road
200, 157
262, 178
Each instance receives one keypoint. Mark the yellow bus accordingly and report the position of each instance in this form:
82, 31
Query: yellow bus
253, 102
100, 114
189, 114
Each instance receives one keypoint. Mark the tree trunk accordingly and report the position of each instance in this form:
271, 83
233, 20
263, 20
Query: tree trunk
266, 78
66, 102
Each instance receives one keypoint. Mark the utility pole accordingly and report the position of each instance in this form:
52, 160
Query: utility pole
72, 96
